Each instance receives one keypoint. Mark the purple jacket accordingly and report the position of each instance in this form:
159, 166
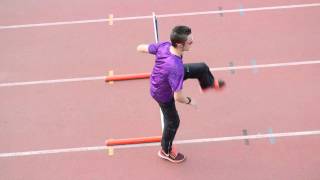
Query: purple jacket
167, 74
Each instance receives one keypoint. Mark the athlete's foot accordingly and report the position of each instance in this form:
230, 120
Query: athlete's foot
217, 85
173, 156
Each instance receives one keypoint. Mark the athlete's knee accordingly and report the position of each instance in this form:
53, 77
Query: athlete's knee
177, 123
204, 66
174, 124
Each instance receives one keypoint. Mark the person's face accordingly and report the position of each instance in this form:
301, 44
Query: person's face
187, 45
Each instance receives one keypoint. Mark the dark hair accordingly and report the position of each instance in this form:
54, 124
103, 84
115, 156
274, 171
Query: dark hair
179, 34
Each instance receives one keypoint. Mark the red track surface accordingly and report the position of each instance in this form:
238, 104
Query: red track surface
87, 113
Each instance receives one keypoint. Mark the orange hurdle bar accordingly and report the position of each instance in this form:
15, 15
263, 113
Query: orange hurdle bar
141, 140
127, 77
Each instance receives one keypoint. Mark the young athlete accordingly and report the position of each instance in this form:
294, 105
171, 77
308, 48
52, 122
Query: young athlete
166, 83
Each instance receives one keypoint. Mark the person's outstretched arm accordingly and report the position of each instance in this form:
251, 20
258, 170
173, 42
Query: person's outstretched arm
143, 48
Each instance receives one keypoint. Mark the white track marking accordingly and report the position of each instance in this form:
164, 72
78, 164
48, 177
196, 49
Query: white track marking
190, 141
241, 10
162, 16
55, 81
156, 37
297, 63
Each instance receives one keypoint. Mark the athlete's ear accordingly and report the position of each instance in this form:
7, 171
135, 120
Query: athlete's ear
179, 45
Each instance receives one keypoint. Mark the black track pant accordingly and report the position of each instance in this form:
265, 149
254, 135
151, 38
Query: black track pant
198, 71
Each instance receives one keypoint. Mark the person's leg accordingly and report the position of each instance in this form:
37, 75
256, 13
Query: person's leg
171, 125
201, 72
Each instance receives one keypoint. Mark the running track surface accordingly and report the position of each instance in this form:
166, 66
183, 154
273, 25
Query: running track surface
84, 114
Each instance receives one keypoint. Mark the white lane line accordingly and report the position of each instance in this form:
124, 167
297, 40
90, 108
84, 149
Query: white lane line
296, 63
190, 141
241, 10
55, 81
73, 22
161, 16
